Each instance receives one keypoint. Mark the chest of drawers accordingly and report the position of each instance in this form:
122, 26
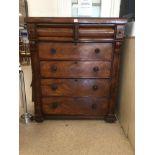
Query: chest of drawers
75, 64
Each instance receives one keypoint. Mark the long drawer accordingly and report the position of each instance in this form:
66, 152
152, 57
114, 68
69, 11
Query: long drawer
55, 32
74, 106
75, 69
75, 87
69, 51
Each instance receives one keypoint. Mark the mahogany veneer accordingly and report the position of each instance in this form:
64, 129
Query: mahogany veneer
75, 64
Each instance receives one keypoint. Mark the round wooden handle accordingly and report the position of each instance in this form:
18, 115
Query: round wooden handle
94, 106
53, 51
97, 50
95, 87
54, 105
96, 69
54, 68
54, 87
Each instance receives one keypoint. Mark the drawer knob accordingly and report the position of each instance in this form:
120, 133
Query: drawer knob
54, 105
54, 87
95, 87
94, 106
53, 51
97, 50
54, 68
96, 69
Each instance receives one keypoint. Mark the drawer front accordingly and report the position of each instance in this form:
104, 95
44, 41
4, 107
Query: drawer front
55, 32
74, 106
75, 69
69, 51
75, 87
95, 32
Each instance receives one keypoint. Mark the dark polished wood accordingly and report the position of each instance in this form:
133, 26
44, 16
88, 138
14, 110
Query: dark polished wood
75, 65
69, 87
95, 32
75, 106
80, 51
86, 20
75, 69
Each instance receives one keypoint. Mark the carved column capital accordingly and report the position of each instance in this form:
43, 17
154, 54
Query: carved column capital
120, 31
31, 31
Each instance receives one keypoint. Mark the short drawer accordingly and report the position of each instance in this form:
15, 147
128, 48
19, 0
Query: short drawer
96, 32
55, 32
75, 69
75, 87
75, 106
69, 51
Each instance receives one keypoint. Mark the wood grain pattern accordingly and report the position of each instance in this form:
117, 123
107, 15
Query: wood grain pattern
66, 20
95, 32
35, 80
80, 51
55, 32
59, 32
53, 39
75, 87
75, 66
114, 82
75, 106
75, 69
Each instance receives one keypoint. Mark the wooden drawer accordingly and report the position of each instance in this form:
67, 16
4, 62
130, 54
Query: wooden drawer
75, 69
75, 106
75, 87
69, 51
95, 32
55, 32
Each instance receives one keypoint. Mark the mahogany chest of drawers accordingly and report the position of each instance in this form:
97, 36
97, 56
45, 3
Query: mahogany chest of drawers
75, 64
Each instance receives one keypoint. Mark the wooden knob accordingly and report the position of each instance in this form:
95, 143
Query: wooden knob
97, 50
95, 87
53, 51
54, 87
96, 69
54, 68
94, 106
54, 105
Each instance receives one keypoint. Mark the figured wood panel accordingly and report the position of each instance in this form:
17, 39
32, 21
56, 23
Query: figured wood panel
95, 32
59, 32
75, 69
74, 106
55, 32
69, 51
75, 87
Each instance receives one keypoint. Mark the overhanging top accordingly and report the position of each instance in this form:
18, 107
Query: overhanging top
75, 20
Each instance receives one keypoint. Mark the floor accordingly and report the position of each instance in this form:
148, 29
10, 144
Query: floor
70, 137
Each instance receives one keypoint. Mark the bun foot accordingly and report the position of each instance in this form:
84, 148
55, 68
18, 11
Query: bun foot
39, 119
110, 118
